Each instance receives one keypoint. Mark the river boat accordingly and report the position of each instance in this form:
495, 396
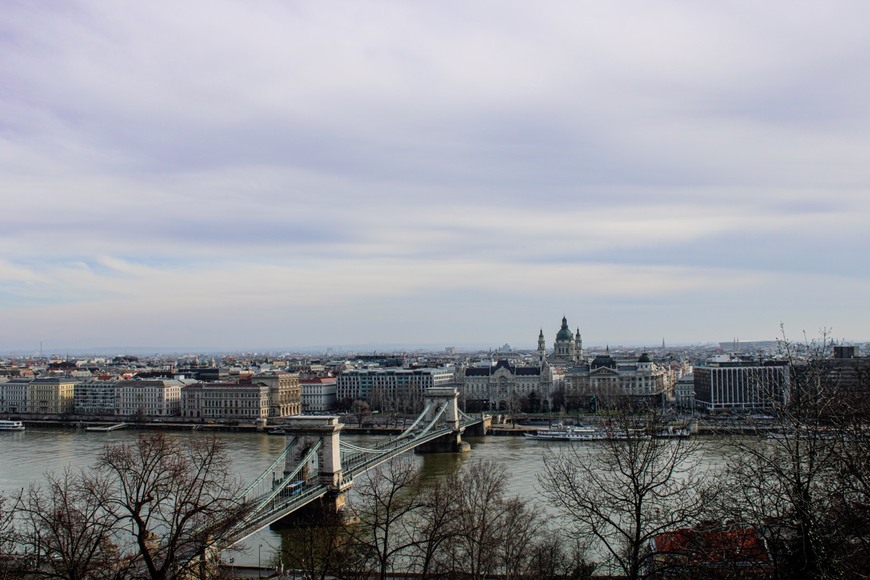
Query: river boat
277, 431
672, 433
6, 425
560, 433
579, 434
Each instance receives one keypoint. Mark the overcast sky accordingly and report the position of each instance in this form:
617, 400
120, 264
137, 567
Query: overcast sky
243, 175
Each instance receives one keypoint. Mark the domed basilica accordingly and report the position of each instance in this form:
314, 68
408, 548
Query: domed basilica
567, 349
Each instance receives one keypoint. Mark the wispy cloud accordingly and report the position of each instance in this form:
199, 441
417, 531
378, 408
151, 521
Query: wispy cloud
471, 171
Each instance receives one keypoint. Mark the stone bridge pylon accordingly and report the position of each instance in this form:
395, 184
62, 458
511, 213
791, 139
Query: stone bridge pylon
323, 431
436, 398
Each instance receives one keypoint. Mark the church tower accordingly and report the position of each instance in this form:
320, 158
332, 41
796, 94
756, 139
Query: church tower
542, 348
578, 347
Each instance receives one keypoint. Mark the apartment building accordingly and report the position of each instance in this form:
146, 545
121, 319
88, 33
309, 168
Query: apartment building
50, 396
153, 398
394, 389
96, 397
240, 400
318, 395
13, 395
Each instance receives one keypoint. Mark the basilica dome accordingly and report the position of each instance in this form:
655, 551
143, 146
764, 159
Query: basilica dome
564, 333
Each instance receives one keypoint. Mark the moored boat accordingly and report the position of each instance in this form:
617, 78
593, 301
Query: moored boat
671, 432
6, 425
579, 434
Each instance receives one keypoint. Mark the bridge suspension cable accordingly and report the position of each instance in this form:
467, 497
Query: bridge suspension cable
269, 470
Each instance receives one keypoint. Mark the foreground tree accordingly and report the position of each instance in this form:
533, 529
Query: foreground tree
494, 533
385, 500
67, 531
8, 536
462, 526
176, 495
319, 546
433, 527
624, 491
807, 486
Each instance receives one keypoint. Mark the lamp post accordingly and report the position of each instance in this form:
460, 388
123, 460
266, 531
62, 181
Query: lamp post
259, 552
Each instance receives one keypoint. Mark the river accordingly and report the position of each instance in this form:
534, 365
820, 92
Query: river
26, 456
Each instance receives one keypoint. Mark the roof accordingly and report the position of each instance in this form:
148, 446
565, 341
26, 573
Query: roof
714, 546
501, 364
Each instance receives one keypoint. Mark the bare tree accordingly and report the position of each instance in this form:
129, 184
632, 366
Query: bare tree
624, 491
10, 560
67, 531
384, 501
176, 495
433, 527
479, 516
360, 409
555, 556
519, 533
807, 485
320, 546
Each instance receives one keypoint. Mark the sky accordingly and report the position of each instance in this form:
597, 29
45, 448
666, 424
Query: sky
248, 175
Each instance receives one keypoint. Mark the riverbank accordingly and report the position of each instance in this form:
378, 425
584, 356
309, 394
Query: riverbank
698, 427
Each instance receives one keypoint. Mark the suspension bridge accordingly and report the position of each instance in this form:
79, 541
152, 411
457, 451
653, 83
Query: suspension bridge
316, 463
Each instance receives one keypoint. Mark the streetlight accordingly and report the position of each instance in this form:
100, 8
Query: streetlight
259, 551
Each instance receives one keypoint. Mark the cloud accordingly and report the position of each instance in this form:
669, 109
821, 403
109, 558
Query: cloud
250, 160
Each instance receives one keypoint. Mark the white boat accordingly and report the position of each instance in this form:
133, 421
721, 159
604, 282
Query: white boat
577, 434
6, 425
673, 433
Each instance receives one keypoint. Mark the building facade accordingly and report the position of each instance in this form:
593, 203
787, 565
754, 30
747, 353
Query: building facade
318, 394
393, 389
13, 395
605, 376
285, 392
96, 397
503, 385
50, 396
151, 398
242, 400
722, 385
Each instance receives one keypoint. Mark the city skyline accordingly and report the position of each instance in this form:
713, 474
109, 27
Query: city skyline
240, 177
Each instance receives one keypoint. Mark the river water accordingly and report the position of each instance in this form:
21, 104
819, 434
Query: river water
26, 456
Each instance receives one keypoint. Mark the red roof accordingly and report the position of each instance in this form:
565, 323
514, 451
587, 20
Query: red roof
711, 546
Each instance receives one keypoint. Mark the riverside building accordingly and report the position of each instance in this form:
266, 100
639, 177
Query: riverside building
318, 394
148, 397
240, 400
606, 376
50, 396
394, 389
723, 383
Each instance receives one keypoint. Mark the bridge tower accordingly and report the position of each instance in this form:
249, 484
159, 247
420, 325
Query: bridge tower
435, 398
310, 430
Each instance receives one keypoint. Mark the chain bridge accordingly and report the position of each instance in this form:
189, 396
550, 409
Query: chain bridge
316, 463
